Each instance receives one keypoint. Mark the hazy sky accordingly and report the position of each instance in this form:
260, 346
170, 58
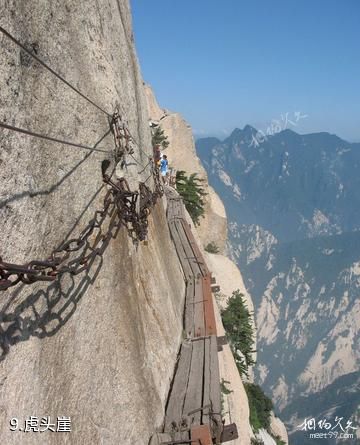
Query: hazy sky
225, 64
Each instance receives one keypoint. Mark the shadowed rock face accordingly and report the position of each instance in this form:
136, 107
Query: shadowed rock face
99, 347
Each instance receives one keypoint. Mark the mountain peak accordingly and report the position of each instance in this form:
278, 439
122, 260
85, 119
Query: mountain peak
289, 131
248, 130
235, 132
287, 135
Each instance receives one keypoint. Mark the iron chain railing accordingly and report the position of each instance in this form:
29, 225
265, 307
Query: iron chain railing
120, 205
76, 254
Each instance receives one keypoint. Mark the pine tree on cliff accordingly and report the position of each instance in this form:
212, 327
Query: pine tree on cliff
190, 189
159, 138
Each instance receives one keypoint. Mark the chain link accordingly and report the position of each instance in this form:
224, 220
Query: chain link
122, 137
77, 254
119, 207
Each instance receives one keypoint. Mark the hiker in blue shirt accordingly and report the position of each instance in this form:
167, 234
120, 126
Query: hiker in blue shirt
164, 168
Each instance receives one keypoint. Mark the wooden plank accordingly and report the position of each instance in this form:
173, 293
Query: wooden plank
176, 400
207, 382
180, 251
201, 434
170, 209
177, 208
177, 203
195, 248
190, 289
181, 208
209, 312
173, 205
188, 250
215, 375
215, 391
193, 398
199, 319
189, 308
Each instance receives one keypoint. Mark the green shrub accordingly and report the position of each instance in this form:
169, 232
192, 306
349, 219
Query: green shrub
239, 331
223, 387
226, 391
189, 188
212, 248
159, 138
260, 407
256, 441
278, 440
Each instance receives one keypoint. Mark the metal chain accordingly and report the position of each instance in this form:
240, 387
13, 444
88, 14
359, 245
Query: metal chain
122, 136
119, 208
77, 254
124, 140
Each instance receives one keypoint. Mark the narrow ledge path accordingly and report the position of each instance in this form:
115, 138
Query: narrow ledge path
193, 409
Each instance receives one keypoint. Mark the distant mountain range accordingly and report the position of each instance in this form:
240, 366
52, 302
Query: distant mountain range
295, 186
293, 207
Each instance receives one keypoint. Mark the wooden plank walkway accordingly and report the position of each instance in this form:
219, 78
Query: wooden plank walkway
193, 410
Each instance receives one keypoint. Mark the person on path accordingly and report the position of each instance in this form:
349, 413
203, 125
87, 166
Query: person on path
157, 155
164, 165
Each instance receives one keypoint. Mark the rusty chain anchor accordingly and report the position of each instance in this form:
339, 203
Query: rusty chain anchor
119, 209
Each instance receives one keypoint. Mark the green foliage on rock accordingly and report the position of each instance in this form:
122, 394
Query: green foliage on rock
260, 407
159, 138
237, 322
223, 387
256, 441
278, 440
239, 331
190, 189
224, 391
212, 248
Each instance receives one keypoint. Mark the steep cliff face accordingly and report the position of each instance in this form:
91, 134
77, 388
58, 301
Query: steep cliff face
182, 156
99, 347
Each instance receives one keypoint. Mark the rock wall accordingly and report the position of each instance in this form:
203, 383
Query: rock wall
99, 347
182, 156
